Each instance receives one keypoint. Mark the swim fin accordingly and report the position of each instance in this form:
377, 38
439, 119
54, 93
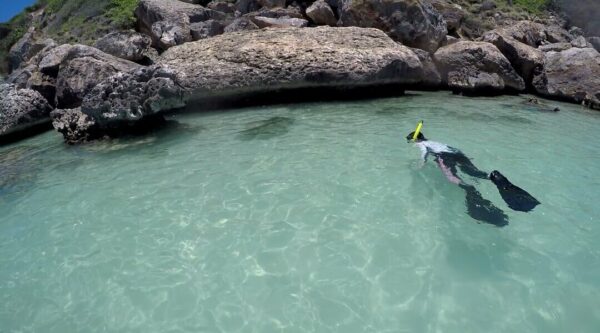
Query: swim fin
515, 197
482, 209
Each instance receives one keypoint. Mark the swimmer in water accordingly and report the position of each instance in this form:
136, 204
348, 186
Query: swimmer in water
450, 160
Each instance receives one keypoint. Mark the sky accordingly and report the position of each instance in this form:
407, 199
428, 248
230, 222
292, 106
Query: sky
10, 8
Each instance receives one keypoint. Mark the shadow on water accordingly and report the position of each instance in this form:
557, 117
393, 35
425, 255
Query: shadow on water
266, 129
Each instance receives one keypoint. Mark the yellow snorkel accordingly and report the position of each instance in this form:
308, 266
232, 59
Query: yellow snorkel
417, 130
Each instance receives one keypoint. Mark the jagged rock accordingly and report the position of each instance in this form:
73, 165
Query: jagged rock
240, 24
267, 22
270, 59
535, 34
201, 30
168, 22
51, 60
82, 68
74, 125
127, 45
321, 14
595, 42
580, 42
453, 14
556, 47
27, 47
432, 78
476, 66
412, 22
524, 58
122, 103
21, 110
573, 74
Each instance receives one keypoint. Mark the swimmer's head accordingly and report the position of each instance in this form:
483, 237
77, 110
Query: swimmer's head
420, 137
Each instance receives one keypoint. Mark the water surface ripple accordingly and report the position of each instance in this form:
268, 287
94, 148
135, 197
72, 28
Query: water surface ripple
305, 218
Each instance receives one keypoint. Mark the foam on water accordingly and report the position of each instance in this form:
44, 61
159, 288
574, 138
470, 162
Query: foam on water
312, 217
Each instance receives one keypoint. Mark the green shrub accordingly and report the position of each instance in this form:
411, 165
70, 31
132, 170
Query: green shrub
533, 6
121, 12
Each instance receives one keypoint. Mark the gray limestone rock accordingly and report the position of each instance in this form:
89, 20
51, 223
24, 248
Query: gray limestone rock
21, 110
572, 74
321, 14
476, 67
128, 45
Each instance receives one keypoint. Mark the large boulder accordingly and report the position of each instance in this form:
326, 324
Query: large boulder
168, 22
573, 74
81, 69
128, 45
201, 30
476, 67
412, 22
321, 14
270, 59
524, 58
21, 110
120, 104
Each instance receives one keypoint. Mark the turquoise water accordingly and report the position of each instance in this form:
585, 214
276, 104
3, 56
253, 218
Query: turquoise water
305, 218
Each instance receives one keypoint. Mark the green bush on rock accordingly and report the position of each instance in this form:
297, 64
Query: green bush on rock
121, 12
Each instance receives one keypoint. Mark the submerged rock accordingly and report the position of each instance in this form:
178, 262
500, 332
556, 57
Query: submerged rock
476, 67
21, 110
573, 74
412, 22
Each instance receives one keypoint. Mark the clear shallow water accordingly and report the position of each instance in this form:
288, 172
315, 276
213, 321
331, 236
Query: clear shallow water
317, 220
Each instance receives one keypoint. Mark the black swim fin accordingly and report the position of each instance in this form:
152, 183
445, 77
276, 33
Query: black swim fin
482, 209
515, 197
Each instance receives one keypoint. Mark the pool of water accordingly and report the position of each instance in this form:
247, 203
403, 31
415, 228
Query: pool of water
305, 218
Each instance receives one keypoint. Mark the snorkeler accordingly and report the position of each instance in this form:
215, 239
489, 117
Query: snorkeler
449, 160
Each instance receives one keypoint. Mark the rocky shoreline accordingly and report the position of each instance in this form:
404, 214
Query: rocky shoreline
188, 54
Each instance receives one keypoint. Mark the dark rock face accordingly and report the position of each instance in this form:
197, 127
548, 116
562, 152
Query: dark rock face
476, 67
127, 45
412, 22
168, 22
222, 6
453, 14
432, 78
21, 109
321, 13
81, 69
206, 29
524, 58
270, 59
120, 103
573, 74
240, 24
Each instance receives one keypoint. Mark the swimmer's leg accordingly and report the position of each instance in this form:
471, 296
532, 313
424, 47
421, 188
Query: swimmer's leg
482, 209
466, 166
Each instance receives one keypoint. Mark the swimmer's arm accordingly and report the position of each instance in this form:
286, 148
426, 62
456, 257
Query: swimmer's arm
424, 154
